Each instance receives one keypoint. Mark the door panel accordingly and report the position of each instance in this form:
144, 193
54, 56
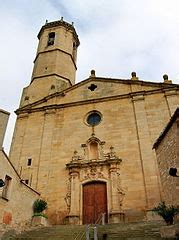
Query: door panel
94, 201
88, 201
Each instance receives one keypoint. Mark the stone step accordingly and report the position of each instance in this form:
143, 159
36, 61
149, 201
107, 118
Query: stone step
130, 231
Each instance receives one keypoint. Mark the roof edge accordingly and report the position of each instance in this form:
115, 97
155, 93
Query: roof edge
167, 128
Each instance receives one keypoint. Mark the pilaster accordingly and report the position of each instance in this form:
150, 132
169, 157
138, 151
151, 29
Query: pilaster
74, 202
117, 194
148, 167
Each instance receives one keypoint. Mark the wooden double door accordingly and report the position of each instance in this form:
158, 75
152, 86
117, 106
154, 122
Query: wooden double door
94, 202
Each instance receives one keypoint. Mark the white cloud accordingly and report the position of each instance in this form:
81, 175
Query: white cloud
117, 37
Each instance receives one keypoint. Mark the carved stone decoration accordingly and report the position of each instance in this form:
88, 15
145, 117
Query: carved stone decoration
85, 151
76, 157
111, 154
68, 200
117, 193
94, 166
120, 190
93, 173
100, 145
68, 194
101, 149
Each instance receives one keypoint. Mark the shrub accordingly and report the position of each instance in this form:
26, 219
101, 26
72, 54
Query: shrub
39, 206
166, 212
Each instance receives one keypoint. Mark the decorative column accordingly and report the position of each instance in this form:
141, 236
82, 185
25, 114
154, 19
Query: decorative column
73, 196
74, 204
117, 194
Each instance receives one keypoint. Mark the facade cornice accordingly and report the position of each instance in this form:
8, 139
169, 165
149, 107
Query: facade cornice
5, 112
162, 87
29, 108
83, 164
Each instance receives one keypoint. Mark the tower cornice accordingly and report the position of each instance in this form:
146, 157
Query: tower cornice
55, 49
63, 24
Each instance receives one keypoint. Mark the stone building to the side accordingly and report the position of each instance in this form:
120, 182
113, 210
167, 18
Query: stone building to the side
16, 197
87, 147
167, 151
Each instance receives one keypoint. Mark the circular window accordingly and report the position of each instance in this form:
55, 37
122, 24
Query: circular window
93, 119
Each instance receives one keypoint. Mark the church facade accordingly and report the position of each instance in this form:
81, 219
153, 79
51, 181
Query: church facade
87, 147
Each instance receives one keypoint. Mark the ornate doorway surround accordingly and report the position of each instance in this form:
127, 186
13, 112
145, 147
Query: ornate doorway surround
94, 165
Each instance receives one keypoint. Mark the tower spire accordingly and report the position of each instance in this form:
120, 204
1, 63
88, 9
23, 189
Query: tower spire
55, 61
57, 50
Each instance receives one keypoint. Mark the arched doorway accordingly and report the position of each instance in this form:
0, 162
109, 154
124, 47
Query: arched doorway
94, 201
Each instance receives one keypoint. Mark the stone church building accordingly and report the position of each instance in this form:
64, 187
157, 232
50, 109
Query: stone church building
87, 146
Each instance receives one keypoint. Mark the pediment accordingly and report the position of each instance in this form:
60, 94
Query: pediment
98, 89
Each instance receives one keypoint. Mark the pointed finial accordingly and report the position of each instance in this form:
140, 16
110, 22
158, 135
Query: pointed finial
112, 152
72, 23
75, 156
61, 19
165, 78
134, 76
75, 152
46, 21
111, 148
92, 73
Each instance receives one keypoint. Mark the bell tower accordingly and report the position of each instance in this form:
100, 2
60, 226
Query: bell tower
55, 62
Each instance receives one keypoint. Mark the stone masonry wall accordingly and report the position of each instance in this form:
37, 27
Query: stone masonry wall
51, 131
16, 205
166, 157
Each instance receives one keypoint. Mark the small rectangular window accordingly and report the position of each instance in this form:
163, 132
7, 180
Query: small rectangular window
6, 188
29, 162
51, 38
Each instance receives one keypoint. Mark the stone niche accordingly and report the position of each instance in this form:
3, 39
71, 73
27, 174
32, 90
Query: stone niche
94, 165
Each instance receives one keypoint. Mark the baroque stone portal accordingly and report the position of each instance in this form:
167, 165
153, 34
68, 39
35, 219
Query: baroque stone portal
94, 165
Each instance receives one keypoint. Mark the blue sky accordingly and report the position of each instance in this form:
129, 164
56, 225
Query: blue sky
117, 37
